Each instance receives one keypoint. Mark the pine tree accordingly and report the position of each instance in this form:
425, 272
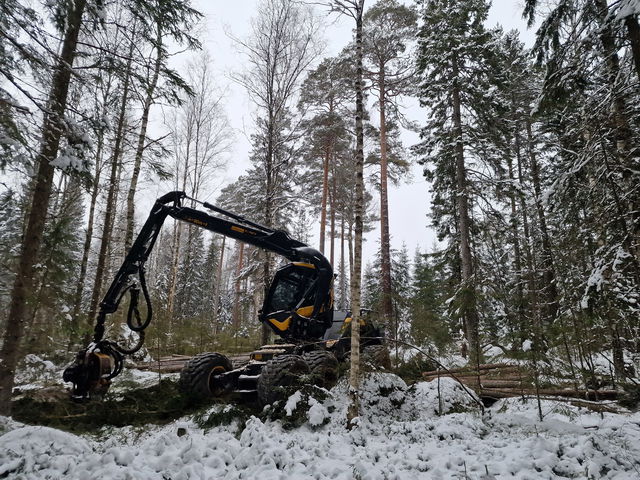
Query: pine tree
388, 27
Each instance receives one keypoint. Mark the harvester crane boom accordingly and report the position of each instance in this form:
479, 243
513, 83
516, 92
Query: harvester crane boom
100, 354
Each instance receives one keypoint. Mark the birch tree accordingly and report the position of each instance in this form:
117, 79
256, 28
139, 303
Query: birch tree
282, 46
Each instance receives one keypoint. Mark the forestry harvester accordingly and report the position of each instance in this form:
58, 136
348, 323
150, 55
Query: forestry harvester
298, 308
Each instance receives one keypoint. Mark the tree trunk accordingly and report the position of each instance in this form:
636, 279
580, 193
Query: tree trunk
354, 374
549, 276
75, 324
464, 226
325, 194
217, 289
268, 213
177, 235
343, 269
332, 204
238, 290
633, 30
111, 195
612, 62
515, 232
385, 253
142, 136
52, 130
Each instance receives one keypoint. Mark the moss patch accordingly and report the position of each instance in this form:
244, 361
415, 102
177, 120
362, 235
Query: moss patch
159, 404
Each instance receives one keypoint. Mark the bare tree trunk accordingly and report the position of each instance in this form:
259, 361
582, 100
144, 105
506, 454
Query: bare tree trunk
73, 339
612, 62
633, 30
142, 136
515, 231
268, 211
107, 228
177, 235
464, 226
350, 248
175, 263
332, 204
343, 269
238, 290
354, 374
217, 289
385, 253
549, 275
325, 194
52, 129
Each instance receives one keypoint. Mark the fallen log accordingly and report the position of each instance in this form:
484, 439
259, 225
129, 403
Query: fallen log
504, 384
471, 369
569, 393
483, 377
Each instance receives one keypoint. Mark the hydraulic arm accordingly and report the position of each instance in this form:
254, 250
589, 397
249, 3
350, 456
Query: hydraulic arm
102, 360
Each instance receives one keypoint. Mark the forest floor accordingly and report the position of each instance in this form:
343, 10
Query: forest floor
422, 431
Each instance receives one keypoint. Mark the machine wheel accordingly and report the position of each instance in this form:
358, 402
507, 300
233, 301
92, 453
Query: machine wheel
280, 375
376, 356
196, 377
323, 367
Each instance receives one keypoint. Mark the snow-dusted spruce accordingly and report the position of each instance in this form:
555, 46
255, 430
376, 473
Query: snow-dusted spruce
454, 62
70, 21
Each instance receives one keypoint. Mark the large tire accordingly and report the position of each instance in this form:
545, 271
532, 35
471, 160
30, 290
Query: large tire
196, 375
323, 367
279, 377
376, 357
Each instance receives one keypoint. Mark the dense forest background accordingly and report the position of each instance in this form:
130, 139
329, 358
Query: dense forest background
531, 155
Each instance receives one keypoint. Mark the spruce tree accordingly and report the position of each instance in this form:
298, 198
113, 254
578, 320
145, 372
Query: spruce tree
454, 63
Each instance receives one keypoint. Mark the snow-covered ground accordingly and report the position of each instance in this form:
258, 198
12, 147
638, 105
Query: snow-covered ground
400, 436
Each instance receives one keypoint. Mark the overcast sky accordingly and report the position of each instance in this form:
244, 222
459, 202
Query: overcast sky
408, 203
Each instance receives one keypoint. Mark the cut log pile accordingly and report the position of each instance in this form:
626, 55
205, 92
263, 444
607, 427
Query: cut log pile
504, 380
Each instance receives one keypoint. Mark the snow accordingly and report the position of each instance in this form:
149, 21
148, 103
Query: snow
317, 413
399, 436
292, 403
526, 345
627, 8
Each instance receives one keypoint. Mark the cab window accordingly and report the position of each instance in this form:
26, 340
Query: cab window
289, 288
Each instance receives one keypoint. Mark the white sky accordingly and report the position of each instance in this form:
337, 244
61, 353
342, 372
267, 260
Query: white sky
408, 203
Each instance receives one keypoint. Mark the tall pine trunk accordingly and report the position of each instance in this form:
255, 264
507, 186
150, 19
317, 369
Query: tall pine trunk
332, 204
325, 194
385, 253
464, 226
343, 269
52, 130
